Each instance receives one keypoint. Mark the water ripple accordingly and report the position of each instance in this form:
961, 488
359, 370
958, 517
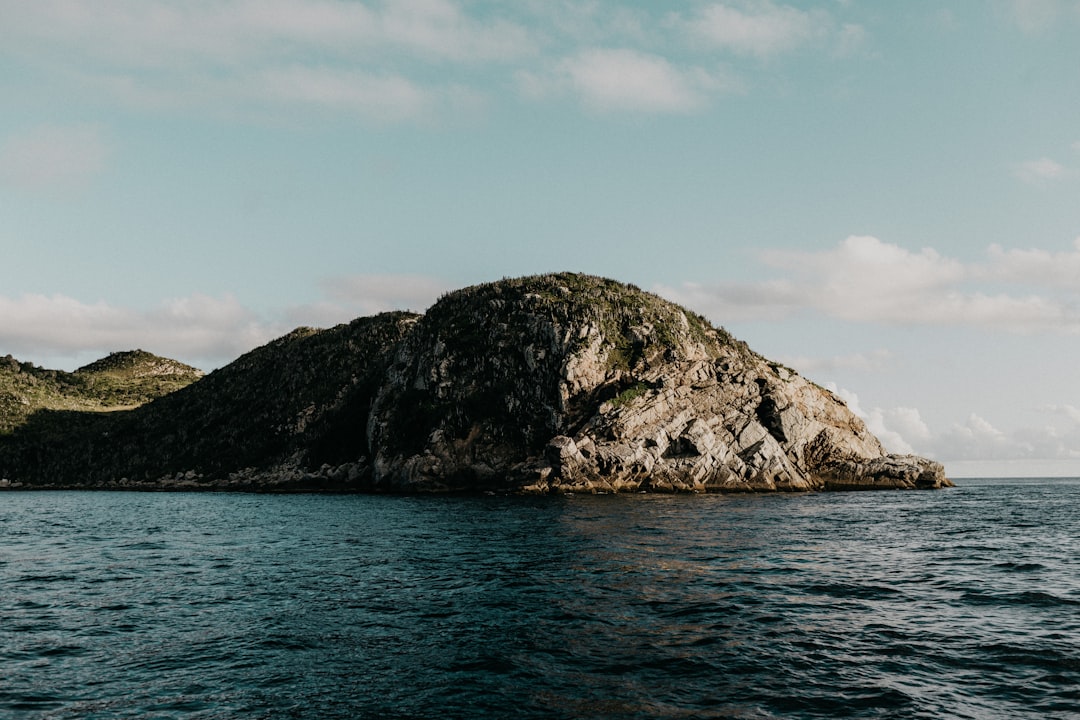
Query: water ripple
957, 604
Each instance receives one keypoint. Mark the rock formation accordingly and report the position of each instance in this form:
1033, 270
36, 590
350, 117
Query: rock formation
553, 383
574, 383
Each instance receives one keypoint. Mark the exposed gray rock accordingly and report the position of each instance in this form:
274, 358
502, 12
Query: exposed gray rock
567, 383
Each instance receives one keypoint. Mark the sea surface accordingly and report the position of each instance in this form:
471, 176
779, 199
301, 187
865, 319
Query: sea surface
960, 603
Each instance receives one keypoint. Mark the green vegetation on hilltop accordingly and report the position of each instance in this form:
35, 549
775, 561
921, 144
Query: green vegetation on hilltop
120, 381
302, 399
623, 313
468, 360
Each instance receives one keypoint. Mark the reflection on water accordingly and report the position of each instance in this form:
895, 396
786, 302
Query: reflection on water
959, 603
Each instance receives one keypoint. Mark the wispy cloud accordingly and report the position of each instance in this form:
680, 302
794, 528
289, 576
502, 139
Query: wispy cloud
864, 279
1035, 16
387, 60
349, 296
758, 28
874, 361
53, 156
1033, 267
265, 55
381, 97
149, 33
1052, 437
977, 439
1041, 170
1046, 170
619, 79
200, 329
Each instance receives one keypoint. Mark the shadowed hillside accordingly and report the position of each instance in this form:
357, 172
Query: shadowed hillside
300, 400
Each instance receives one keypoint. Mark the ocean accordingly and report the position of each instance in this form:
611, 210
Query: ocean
959, 603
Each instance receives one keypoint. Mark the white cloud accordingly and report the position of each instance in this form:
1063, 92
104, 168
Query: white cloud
850, 39
199, 328
441, 29
769, 300
977, 439
758, 28
386, 59
590, 23
875, 361
351, 296
379, 97
53, 156
975, 444
1033, 16
877, 422
1034, 267
893, 440
612, 80
908, 423
1041, 170
259, 55
223, 33
866, 280
1069, 411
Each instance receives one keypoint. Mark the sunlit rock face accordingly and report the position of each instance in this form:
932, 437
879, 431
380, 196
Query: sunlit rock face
575, 383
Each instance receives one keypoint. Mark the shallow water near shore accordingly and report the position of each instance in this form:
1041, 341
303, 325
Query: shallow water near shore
960, 603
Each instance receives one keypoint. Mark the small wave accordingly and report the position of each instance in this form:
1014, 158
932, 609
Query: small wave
846, 703
795, 607
495, 665
31, 701
857, 591
1019, 567
46, 579
1013, 656
1031, 598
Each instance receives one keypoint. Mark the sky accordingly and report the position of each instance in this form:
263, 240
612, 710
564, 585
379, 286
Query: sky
883, 195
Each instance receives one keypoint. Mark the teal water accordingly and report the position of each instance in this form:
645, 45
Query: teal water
962, 603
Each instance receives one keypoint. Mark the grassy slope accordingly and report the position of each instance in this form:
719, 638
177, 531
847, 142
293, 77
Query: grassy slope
119, 381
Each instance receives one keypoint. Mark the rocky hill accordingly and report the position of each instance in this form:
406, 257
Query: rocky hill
551, 383
121, 380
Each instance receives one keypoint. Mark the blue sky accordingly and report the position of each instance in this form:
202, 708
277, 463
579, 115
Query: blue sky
885, 196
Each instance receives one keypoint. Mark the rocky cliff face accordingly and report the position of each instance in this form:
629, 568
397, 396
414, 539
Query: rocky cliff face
554, 383
574, 383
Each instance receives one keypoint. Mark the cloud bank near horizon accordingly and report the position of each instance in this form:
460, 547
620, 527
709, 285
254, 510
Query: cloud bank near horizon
973, 440
200, 329
860, 280
866, 280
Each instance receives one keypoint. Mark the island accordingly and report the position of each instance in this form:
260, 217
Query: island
556, 383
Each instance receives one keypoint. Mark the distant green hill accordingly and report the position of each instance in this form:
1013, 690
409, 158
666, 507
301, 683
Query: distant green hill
121, 381
300, 401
